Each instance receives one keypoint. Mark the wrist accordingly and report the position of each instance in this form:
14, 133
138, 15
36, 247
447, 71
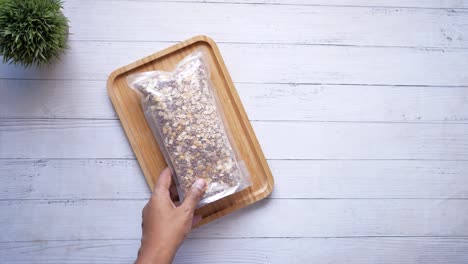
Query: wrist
149, 254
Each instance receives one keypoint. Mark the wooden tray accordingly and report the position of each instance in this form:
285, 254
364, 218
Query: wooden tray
128, 106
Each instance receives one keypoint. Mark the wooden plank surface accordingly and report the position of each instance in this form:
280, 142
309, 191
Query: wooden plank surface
294, 102
346, 3
267, 250
274, 63
371, 94
73, 138
122, 179
136, 20
30, 220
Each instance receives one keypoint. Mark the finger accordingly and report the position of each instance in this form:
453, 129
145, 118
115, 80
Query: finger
194, 195
196, 219
164, 181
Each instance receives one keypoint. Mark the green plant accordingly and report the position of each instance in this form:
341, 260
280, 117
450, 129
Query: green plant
32, 31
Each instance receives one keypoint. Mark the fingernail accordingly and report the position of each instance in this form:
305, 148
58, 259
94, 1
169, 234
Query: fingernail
199, 184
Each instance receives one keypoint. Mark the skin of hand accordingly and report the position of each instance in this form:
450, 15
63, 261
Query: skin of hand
166, 225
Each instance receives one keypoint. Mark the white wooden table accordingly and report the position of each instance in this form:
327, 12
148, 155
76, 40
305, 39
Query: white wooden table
361, 108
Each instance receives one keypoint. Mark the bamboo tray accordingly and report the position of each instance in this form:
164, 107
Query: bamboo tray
128, 107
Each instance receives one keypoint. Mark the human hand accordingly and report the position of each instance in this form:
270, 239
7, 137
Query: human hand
166, 225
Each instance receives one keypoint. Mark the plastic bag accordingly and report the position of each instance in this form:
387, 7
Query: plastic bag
183, 112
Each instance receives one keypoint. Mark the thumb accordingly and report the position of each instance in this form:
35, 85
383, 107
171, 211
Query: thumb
194, 195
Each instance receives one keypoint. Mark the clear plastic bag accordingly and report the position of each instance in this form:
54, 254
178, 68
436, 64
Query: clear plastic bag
182, 109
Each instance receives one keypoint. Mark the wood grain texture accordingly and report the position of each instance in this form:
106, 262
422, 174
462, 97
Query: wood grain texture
69, 138
55, 99
121, 219
299, 24
122, 179
363, 140
267, 250
274, 63
294, 102
306, 140
149, 155
355, 3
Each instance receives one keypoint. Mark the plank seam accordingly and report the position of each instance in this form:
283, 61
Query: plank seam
240, 238
278, 83
285, 159
434, 122
316, 5
72, 200
425, 48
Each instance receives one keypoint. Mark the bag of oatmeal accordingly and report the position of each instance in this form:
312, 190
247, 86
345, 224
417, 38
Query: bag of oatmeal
183, 111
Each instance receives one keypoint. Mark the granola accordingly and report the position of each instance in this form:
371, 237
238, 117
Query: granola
181, 109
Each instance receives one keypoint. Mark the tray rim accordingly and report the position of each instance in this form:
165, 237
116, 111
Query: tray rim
258, 194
